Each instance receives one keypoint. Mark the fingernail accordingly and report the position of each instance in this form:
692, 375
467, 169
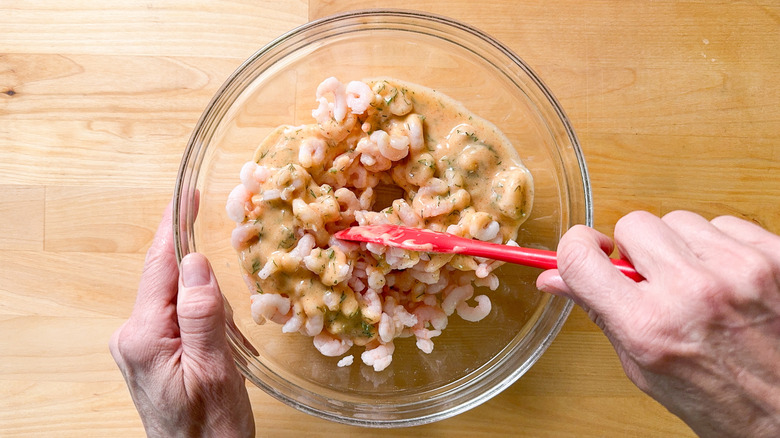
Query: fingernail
195, 270
551, 285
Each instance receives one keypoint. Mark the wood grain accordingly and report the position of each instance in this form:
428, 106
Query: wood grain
675, 104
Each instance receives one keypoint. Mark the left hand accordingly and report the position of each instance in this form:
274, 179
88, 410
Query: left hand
173, 351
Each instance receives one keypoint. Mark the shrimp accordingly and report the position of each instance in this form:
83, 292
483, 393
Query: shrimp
237, 202
331, 346
367, 198
322, 113
370, 151
481, 225
359, 96
414, 128
379, 357
370, 306
386, 328
272, 307
312, 152
406, 213
304, 246
243, 235
490, 281
424, 277
424, 342
396, 148
296, 321
513, 191
456, 296
410, 129
430, 314
474, 314
345, 361
376, 278
309, 218
431, 199
330, 264
392, 323
338, 109
314, 324
247, 177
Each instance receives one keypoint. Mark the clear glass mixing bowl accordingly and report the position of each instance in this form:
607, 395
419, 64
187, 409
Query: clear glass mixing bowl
471, 362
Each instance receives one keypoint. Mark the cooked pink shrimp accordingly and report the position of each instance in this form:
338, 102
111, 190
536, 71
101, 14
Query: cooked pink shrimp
490, 281
474, 314
425, 277
359, 96
322, 112
347, 201
330, 345
396, 148
429, 314
482, 226
392, 324
406, 213
345, 361
379, 357
370, 306
304, 246
430, 200
338, 109
247, 177
414, 127
424, 342
314, 324
296, 321
376, 278
367, 198
312, 152
272, 307
330, 264
370, 151
309, 218
242, 235
456, 296
237, 202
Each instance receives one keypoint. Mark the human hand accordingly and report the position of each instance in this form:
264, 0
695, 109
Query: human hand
702, 333
173, 351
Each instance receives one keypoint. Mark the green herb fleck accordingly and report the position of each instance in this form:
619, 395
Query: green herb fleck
390, 99
366, 328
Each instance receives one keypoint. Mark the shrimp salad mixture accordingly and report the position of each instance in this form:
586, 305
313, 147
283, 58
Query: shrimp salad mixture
457, 173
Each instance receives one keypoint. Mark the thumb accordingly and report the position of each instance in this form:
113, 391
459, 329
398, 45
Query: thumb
200, 309
586, 274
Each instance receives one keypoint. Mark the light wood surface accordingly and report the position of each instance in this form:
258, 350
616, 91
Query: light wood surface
676, 105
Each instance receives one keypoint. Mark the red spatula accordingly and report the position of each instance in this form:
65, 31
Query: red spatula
416, 239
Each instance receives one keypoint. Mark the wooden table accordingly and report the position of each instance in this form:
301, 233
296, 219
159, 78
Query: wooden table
676, 104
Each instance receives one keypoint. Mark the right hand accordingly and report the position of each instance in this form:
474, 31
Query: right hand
702, 333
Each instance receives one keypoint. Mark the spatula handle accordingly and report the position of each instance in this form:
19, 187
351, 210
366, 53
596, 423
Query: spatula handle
537, 258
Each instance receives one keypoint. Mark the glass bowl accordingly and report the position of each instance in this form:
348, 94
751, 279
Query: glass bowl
471, 362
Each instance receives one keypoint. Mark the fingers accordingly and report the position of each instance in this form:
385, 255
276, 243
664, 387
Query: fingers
748, 233
585, 273
650, 244
157, 288
201, 312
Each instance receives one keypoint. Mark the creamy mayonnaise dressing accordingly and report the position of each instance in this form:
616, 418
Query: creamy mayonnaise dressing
456, 172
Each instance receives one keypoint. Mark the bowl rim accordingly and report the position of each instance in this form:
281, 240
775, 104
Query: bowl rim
183, 206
